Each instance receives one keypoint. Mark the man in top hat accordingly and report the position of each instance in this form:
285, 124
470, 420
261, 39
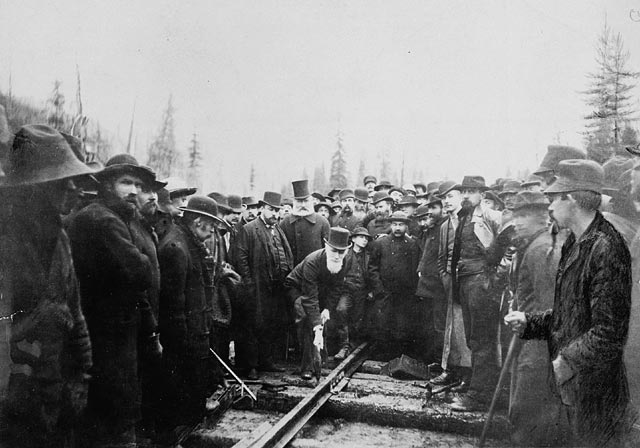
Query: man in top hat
305, 230
320, 287
476, 253
184, 302
587, 327
380, 225
393, 266
250, 211
555, 154
430, 287
45, 352
264, 261
115, 276
369, 182
533, 408
347, 219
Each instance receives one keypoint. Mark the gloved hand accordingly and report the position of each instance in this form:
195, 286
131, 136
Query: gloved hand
325, 316
318, 340
229, 274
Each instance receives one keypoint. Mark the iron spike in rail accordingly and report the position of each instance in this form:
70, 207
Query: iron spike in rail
278, 435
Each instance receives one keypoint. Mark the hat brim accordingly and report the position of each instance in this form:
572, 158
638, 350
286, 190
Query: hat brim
451, 188
540, 206
182, 192
300, 198
388, 199
262, 203
566, 185
199, 212
404, 220
337, 247
542, 170
73, 168
361, 234
126, 168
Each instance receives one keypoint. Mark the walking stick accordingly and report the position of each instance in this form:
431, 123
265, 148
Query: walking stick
503, 374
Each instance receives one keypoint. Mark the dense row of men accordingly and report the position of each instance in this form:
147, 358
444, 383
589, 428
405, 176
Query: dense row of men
125, 291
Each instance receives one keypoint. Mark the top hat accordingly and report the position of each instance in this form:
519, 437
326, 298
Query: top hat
446, 186
399, 216
383, 184
360, 231
316, 207
177, 187
380, 196
361, 194
338, 238
202, 205
368, 179
271, 198
250, 201
529, 199
235, 203
300, 189
408, 200
346, 194
221, 200
556, 154
41, 154
577, 175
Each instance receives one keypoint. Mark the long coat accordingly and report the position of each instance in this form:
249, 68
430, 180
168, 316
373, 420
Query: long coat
588, 327
304, 234
114, 278
429, 283
49, 344
255, 266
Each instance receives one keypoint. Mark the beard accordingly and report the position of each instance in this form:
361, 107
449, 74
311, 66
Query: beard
334, 266
301, 211
346, 210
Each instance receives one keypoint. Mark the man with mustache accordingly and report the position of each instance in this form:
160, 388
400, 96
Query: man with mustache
473, 268
115, 276
347, 219
380, 225
320, 286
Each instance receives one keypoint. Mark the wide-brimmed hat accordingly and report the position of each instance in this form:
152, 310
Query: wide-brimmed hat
531, 180
398, 189
319, 196
382, 184
346, 194
156, 184
529, 199
333, 193
361, 231
250, 201
361, 194
422, 185
235, 203
473, 183
202, 205
399, 216
380, 196
491, 195
556, 154
316, 207
300, 189
126, 164
368, 179
409, 188
338, 238
272, 199
177, 187
577, 175
446, 186
510, 187
408, 200
41, 154
433, 199
421, 211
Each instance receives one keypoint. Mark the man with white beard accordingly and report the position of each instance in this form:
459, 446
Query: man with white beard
304, 229
318, 286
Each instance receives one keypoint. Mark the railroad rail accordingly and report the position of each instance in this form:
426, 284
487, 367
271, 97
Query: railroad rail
278, 435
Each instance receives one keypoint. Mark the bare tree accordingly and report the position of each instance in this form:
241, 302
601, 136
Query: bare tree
163, 157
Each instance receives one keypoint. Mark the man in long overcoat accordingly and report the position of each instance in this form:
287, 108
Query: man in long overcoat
587, 327
264, 261
114, 276
48, 343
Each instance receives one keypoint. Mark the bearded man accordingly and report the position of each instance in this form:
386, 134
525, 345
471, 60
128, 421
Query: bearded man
347, 219
380, 224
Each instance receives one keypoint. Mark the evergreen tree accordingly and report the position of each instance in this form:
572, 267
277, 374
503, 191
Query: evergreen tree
320, 180
195, 162
609, 97
163, 157
339, 175
385, 166
55, 106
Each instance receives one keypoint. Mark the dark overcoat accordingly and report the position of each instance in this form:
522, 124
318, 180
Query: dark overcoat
255, 266
304, 234
429, 283
588, 327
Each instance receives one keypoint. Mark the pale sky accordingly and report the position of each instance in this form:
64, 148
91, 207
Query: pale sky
457, 87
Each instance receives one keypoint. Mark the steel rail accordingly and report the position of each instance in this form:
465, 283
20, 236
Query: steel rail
281, 433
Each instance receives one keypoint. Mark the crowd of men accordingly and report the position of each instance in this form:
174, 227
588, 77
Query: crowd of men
122, 291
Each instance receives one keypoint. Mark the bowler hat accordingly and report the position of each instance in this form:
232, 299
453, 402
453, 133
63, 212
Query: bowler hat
346, 194
338, 238
235, 203
446, 186
41, 154
361, 194
177, 187
409, 188
368, 179
556, 154
421, 185
300, 189
577, 175
380, 196
529, 199
272, 199
360, 231
432, 187
510, 187
433, 199
250, 201
421, 211
221, 200
408, 200
398, 189
333, 193
399, 216
383, 184
202, 205
324, 204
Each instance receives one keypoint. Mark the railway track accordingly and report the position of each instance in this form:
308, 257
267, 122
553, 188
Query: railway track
347, 408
